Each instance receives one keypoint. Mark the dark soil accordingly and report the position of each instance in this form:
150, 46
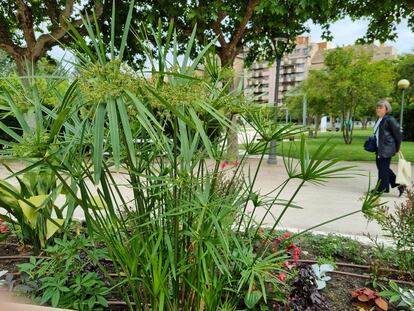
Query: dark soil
338, 291
12, 249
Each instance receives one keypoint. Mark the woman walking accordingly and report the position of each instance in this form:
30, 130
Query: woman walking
388, 136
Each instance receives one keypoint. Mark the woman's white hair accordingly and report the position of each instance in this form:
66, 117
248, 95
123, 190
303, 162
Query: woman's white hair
384, 103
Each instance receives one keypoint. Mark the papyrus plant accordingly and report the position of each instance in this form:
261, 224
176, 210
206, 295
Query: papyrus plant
177, 227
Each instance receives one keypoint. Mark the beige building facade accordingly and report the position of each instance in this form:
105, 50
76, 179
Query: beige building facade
378, 53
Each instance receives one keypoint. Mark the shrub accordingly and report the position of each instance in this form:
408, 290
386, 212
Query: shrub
398, 224
70, 278
408, 134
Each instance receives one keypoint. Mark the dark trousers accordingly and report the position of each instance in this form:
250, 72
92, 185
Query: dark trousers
386, 176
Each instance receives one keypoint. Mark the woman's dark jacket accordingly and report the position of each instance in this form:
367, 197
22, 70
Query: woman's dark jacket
389, 137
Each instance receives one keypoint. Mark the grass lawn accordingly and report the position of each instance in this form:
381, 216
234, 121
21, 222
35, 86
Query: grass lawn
343, 152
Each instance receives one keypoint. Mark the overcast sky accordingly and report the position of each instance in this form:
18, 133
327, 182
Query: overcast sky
346, 32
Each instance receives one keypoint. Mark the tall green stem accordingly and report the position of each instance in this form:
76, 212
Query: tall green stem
251, 189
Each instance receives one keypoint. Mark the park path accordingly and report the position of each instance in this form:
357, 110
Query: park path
320, 202
328, 201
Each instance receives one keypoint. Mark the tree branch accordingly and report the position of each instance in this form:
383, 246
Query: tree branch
52, 39
53, 12
67, 12
12, 50
24, 17
216, 25
6, 42
251, 6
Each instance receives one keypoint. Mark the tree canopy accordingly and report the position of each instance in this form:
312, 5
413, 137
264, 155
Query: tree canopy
30, 28
383, 16
251, 24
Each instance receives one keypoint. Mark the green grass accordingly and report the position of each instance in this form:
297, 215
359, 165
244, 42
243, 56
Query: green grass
343, 152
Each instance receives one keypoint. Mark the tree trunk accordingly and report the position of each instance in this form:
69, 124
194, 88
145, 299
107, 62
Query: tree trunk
364, 122
232, 132
25, 68
332, 123
348, 128
232, 140
317, 124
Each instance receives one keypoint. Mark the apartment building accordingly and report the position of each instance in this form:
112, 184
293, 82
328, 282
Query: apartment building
261, 79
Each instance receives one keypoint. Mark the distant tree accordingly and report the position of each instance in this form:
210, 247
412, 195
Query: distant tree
404, 69
316, 89
386, 75
355, 84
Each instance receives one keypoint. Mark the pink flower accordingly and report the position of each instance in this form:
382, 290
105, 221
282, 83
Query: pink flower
286, 236
295, 251
223, 164
282, 276
4, 228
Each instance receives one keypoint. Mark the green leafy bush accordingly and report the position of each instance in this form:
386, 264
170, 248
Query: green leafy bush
332, 247
404, 297
30, 207
398, 224
70, 278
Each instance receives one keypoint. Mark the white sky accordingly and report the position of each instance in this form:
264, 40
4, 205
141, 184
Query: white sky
346, 32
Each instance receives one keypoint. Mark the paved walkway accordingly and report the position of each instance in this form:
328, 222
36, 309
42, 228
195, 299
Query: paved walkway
328, 201
320, 202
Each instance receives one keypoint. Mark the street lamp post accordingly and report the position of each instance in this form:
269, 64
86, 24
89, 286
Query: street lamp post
282, 39
304, 110
402, 85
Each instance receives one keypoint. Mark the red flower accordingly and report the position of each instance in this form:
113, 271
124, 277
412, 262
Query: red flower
223, 164
274, 250
295, 252
286, 236
4, 228
282, 276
